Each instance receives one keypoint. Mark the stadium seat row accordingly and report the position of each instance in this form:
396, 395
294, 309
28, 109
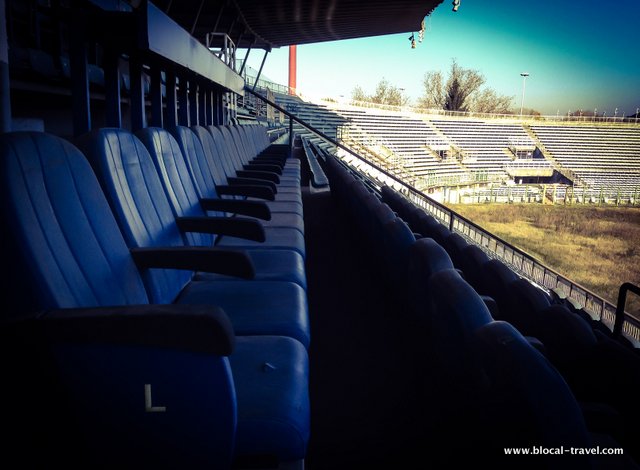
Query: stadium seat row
175, 319
579, 347
489, 369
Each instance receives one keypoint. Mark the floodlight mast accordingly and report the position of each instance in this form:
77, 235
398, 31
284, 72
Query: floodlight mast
524, 76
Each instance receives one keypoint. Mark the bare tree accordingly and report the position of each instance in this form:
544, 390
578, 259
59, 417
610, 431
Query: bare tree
358, 94
434, 96
488, 101
461, 92
385, 93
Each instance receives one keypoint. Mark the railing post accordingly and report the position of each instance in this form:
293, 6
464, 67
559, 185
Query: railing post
290, 136
622, 300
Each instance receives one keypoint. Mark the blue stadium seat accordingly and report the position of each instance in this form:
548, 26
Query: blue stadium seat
497, 278
398, 240
210, 179
163, 385
133, 188
170, 156
455, 245
165, 151
265, 149
252, 154
456, 312
426, 257
224, 173
288, 185
535, 405
472, 261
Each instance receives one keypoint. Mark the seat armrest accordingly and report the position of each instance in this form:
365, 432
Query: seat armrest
233, 181
242, 227
247, 190
263, 167
251, 208
195, 258
263, 175
266, 160
194, 328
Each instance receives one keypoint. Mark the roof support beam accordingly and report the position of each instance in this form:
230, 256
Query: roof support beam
264, 58
195, 20
246, 57
215, 26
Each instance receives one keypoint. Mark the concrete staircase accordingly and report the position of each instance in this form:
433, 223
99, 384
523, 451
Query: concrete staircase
566, 172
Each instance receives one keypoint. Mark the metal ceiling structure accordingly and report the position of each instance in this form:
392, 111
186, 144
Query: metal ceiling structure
266, 24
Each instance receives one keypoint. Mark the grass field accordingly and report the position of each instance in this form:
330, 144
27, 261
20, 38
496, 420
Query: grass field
597, 247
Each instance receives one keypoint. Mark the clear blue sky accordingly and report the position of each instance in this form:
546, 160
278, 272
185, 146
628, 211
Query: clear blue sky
580, 54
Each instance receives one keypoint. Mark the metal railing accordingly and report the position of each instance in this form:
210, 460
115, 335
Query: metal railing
521, 262
266, 85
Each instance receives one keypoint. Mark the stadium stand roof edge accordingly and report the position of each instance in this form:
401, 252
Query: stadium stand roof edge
270, 23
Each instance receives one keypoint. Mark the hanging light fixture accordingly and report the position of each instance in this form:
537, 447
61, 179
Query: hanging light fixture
412, 38
456, 5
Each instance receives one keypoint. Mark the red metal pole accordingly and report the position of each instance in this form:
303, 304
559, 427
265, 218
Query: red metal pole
293, 65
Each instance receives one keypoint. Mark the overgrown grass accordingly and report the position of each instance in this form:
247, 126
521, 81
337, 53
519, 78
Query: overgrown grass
597, 247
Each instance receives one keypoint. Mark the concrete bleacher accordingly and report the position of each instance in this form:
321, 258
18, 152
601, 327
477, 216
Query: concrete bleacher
318, 116
485, 145
438, 151
603, 157
412, 141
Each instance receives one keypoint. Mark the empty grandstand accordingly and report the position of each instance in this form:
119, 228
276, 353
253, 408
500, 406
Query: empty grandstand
460, 159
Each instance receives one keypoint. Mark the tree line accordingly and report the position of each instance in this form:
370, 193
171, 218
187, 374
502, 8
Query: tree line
461, 90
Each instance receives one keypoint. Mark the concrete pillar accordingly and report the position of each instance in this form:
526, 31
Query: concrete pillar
293, 66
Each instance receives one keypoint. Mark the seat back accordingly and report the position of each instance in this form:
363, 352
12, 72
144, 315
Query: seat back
258, 136
426, 225
69, 242
472, 262
457, 311
64, 232
234, 149
526, 303
207, 172
497, 278
168, 154
426, 257
455, 244
225, 151
245, 145
139, 201
536, 404
398, 239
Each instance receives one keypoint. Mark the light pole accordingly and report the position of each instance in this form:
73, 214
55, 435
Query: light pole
524, 76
